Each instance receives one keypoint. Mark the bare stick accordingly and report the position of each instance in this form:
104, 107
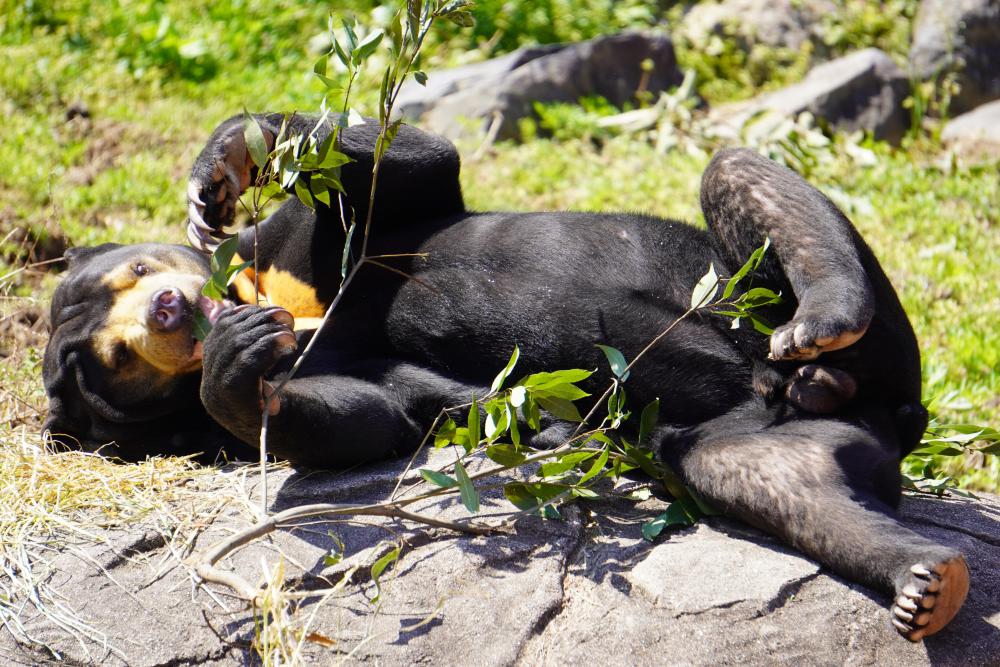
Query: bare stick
207, 572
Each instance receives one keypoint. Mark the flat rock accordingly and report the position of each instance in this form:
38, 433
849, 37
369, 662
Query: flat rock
860, 91
586, 589
961, 36
493, 96
976, 134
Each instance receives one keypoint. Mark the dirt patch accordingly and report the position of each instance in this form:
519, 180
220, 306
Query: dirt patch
23, 326
25, 243
107, 142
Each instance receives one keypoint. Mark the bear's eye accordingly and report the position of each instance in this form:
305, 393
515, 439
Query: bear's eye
140, 269
121, 355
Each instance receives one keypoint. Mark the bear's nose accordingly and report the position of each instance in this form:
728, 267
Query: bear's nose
166, 310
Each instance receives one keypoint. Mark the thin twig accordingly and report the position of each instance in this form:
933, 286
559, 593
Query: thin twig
207, 572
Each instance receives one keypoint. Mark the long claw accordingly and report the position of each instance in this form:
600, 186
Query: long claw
920, 571
194, 194
194, 217
902, 627
197, 239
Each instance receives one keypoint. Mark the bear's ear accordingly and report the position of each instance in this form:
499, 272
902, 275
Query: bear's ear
80, 254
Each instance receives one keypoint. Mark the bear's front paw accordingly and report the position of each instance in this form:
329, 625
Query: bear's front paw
244, 344
222, 172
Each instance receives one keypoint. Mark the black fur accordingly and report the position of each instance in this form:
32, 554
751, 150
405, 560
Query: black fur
556, 284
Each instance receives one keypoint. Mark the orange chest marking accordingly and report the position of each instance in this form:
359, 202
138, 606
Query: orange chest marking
279, 288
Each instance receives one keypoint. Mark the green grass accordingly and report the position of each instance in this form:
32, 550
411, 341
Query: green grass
159, 76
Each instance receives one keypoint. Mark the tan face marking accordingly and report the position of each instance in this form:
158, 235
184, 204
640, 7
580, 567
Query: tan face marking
125, 343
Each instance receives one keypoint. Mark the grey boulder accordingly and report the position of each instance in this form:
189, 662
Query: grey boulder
960, 35
976, 134
775, 23
493, 96
860, 91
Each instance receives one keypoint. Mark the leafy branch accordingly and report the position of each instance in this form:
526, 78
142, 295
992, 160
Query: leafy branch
572, 470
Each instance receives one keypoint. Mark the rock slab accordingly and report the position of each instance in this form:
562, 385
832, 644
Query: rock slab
587, 589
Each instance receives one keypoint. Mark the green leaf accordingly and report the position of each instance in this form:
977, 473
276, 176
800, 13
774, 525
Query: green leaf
470, 497
253, 135
302, 192
413, 10
201, 325
518, 495
502, 375
568, 376
452, 6
497, 420
525, 496
319, 67
438, 478
346, 256
446, 434
505, 455
751, 264
515, 433
332, 159
378, 568
560, 408
462, 19
992, 449
341, 55
564, 464
676, 515
643, 458
617, 361
474, 424
352, 37
420, 77
760, 325
532, 413
567, 391
336, 552
233, 271
518, 395
705, 290
596, 468
647, 422
383, 95
367, 47
384, 141
223, 255
271, 190
319, 191
601, 438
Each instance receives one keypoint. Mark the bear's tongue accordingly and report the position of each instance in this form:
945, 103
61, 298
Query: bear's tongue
211, 309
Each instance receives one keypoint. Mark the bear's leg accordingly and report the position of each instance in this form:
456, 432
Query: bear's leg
820, 257
827, 488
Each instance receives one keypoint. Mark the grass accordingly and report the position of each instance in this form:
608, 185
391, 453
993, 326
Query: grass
157, 77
